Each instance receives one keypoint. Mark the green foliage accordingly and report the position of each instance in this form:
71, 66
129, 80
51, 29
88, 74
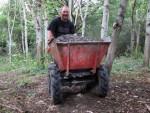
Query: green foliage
126, 64
124, 40
137, 53
93, 22
5, 110
24, 81
22, 64
93, 30
3, 29
93, 27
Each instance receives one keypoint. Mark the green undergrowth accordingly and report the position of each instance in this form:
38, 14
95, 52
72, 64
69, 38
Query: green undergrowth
26, 79
29, 66
124, 64
4, 110
21, 64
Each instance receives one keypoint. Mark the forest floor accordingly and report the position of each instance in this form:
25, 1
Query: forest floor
129, 93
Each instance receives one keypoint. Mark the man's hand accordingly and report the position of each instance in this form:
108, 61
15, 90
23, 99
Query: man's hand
50, 41
50, 37
50, 44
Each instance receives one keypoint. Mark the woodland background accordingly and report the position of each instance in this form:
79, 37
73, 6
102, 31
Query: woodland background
24, 28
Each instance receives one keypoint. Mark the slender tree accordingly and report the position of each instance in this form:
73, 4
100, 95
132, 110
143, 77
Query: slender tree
22, 26
138, 29
10, 28
83, 15
115, 34
25, 27
70, 9
76, 16
105, 20
133, 32
38, 28
45, 29
147, 39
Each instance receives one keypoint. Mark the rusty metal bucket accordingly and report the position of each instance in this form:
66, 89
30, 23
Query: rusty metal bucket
79, 55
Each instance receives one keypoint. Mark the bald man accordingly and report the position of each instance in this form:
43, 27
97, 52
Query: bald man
60, 25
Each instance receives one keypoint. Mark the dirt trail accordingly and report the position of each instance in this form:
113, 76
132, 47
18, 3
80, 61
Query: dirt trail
128, 94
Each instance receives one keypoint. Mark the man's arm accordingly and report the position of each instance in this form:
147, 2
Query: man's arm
50, 37
51, 30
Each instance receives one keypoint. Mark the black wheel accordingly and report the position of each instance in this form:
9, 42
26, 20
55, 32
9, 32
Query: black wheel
55, 84
103, 81
50, 67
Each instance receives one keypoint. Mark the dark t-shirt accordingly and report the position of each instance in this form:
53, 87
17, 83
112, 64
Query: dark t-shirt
59, 27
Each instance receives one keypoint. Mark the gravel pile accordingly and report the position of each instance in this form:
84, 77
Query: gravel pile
73, 38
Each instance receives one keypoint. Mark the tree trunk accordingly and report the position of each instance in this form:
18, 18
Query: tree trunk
22, 26
38, 36
25, 29
10, 30
83, 16
38, 30
9, 38
105, 20
133, 26
147, 39
138, 37
45, 30
115, 34
83, 27
22, 38
70, 9
132, 39
76, 17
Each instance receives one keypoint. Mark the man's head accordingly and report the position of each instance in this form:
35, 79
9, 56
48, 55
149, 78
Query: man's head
64, 13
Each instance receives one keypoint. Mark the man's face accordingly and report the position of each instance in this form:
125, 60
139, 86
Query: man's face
64, 14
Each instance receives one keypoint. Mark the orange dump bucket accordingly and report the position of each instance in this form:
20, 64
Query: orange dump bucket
79, 55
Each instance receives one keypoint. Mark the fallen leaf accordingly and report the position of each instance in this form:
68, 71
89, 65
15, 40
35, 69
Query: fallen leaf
148, 107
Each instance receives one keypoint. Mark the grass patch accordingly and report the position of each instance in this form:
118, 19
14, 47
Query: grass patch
124, 64
22, 64
24, 80
4, 110
127, 65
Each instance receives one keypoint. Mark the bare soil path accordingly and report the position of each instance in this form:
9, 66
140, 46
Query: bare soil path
128, 94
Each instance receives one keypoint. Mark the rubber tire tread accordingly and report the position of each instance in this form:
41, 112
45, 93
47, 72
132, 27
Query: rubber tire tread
49, 81
55, 85
103, 81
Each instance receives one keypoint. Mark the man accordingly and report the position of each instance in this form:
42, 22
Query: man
60, 25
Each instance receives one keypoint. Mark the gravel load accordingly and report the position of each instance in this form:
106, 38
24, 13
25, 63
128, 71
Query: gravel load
73, 38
